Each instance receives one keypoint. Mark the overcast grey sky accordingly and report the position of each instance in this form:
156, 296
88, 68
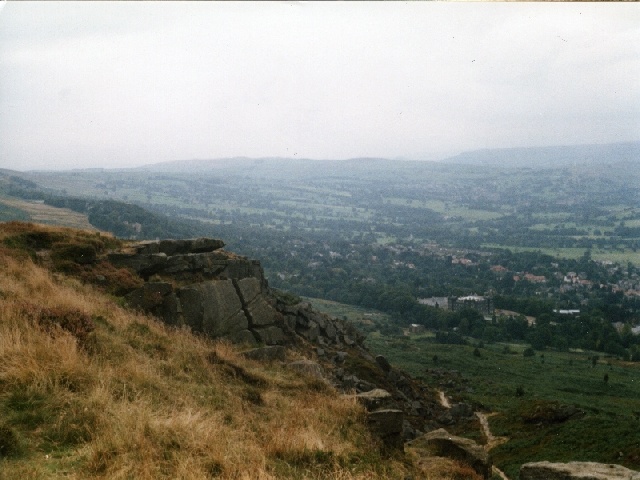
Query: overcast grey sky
118, 84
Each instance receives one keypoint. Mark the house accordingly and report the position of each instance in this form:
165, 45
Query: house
535, 278
482, 304
438, 302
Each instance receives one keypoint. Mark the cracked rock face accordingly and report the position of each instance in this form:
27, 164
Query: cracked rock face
217, 293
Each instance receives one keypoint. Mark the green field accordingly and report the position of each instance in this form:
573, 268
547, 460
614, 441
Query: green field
605, 425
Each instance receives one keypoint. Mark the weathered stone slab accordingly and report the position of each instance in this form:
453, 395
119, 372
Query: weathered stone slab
261, 313
576, 471
249, 288
375, 399
173, 247
442, 443
213, 307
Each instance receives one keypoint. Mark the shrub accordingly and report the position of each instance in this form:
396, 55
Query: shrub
529, 352
9, 442
75, 322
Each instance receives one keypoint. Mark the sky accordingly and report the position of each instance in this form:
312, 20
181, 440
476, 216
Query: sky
123, 84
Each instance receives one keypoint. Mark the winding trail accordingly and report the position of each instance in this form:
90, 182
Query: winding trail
444, 401
492, 441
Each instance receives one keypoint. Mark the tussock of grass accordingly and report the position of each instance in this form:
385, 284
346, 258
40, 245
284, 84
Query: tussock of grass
90, 390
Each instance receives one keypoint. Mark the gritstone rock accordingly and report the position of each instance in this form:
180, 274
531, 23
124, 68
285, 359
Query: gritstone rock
576, 471
442, 443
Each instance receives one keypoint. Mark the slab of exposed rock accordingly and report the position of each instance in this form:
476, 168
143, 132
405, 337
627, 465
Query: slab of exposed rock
189, 266
576, 471
375, 399
213, 308
173, 247
270, 335
442, 443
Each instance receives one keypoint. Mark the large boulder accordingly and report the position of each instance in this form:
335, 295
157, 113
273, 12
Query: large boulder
441, 443
576, 471
387, 424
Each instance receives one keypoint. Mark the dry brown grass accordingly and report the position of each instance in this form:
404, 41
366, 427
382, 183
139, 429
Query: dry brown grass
132, 398
41, 213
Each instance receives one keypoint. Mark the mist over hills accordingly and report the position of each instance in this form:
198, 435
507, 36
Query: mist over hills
551, 157
520, 157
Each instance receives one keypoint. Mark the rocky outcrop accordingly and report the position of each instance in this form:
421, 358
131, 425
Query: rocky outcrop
576, 471
196, 284
442, 443
186, 261
317, 327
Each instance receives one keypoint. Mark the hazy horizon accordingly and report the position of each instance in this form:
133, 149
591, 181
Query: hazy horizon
119, 84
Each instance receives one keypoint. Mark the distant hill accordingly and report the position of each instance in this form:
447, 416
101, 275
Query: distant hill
550, 157
291, 168
531, 157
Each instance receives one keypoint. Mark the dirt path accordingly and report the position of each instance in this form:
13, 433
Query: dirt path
492, 441
444, 401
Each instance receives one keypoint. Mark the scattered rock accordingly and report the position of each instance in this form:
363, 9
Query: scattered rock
576, 471
340, 356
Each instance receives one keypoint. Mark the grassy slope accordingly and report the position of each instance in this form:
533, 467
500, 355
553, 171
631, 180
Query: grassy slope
91, 390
